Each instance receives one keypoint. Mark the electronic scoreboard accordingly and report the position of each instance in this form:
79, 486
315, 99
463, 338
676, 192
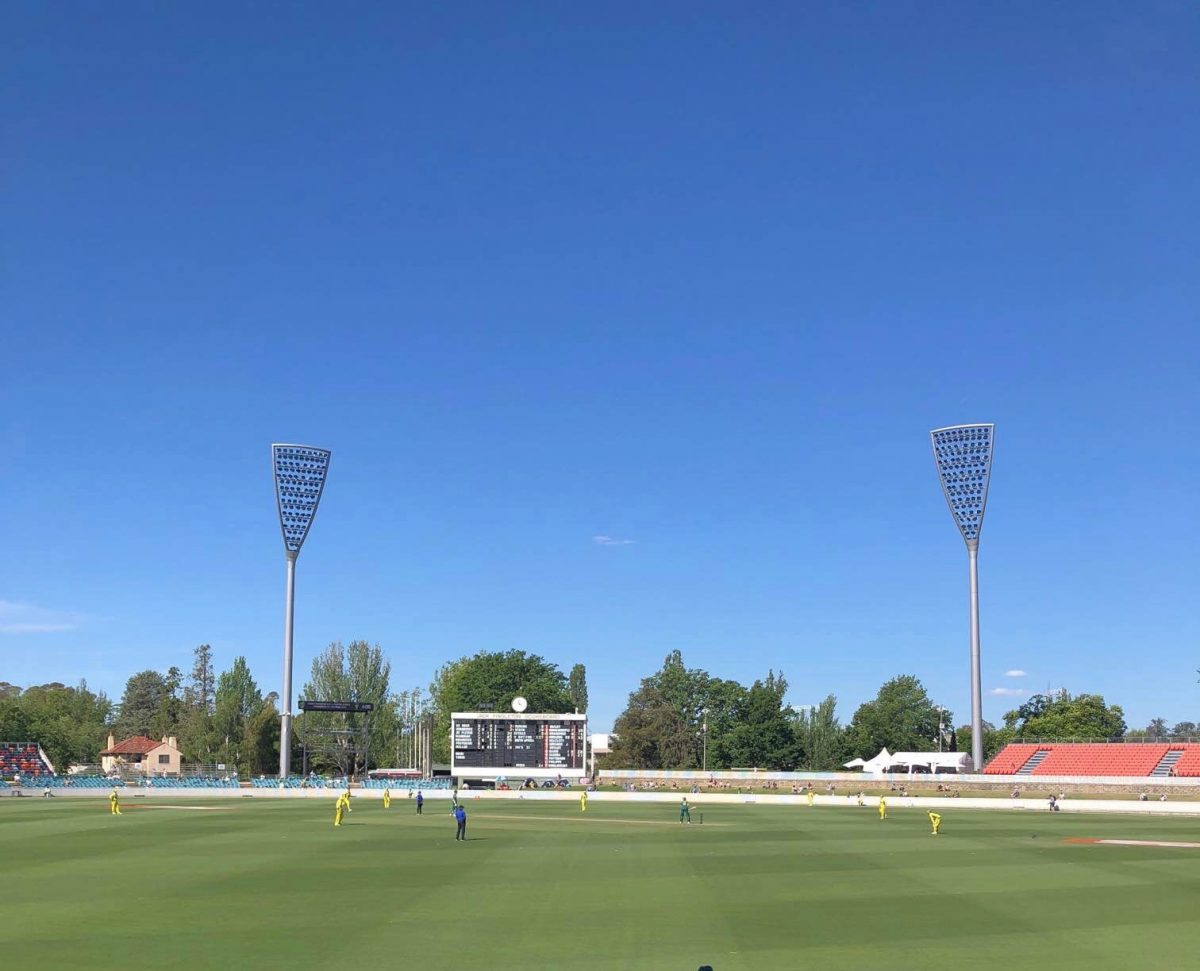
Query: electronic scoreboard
491, 744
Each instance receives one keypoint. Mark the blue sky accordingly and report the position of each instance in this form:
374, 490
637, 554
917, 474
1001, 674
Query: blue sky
698, 278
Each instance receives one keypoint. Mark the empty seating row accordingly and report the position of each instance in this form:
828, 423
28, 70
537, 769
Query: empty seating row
1189, 761
1116, 759
70, 782
1110, 760
1009, 759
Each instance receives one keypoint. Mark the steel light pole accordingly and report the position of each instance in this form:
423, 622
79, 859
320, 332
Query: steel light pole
300, 472
963, 455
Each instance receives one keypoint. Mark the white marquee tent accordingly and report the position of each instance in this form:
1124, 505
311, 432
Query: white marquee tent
910, 762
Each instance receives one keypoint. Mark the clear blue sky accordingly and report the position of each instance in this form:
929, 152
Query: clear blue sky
699, 277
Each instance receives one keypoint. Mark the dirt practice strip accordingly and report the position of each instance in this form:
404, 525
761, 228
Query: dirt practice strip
1160, 843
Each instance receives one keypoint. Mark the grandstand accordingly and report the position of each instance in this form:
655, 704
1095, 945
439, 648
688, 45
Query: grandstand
24, 759
1117, 759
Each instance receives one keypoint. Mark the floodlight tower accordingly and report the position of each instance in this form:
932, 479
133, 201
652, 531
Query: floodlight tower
300, 472
963, 454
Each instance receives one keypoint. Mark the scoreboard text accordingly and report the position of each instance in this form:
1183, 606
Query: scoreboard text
529, 742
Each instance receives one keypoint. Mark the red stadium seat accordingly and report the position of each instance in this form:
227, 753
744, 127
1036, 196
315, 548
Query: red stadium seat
1120, 759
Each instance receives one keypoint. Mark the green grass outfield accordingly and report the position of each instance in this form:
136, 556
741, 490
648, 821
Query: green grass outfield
271, 884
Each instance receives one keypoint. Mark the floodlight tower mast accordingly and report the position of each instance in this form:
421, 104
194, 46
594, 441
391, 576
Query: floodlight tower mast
300, 472
963, 454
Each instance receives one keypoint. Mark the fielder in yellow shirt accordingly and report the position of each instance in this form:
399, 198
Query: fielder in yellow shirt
114, 803
387, 798
583, 801
882, 808
339, 808
810, 798
935, 820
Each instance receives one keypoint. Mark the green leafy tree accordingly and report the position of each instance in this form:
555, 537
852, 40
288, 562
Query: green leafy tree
236, 701
14, 721
357, 672
821, 738
724, 705
1065, 716
201, 690
70, 724
145, 698
994, 739
764, 737
577, 687
1157, 728
1184, 730
167, 717
489, 681
197, 739
260, 747
662, 724
901, 718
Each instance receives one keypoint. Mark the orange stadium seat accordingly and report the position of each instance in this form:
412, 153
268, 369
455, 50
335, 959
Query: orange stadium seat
1189, 761
1122, 759
1010, 758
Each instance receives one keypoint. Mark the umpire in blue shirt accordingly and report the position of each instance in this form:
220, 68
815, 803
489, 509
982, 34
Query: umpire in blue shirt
460, 814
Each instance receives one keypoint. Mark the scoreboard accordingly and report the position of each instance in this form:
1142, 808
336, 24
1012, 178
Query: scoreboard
486, 743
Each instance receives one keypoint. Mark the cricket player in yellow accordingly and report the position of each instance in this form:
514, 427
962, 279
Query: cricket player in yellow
387, 798
935, 820
583, 801
338, 809
114, 802
810, 798
882, 808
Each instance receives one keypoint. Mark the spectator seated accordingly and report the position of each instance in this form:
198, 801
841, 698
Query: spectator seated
401, 785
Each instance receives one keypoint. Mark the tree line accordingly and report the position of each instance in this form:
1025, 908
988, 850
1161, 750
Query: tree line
685, 718
676, 718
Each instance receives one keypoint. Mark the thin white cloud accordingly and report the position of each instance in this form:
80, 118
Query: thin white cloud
1014, 673
612, 541
25, 618
1007, 692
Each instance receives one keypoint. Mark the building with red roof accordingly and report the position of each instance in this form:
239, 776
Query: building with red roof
142, 754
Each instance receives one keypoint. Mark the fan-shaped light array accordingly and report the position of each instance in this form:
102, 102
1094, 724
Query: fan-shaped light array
964, 462
299, 479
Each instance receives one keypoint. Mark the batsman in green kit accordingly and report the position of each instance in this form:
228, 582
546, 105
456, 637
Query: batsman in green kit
685, 812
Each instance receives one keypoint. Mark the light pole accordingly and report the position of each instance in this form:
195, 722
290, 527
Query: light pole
963, 454
300, 472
